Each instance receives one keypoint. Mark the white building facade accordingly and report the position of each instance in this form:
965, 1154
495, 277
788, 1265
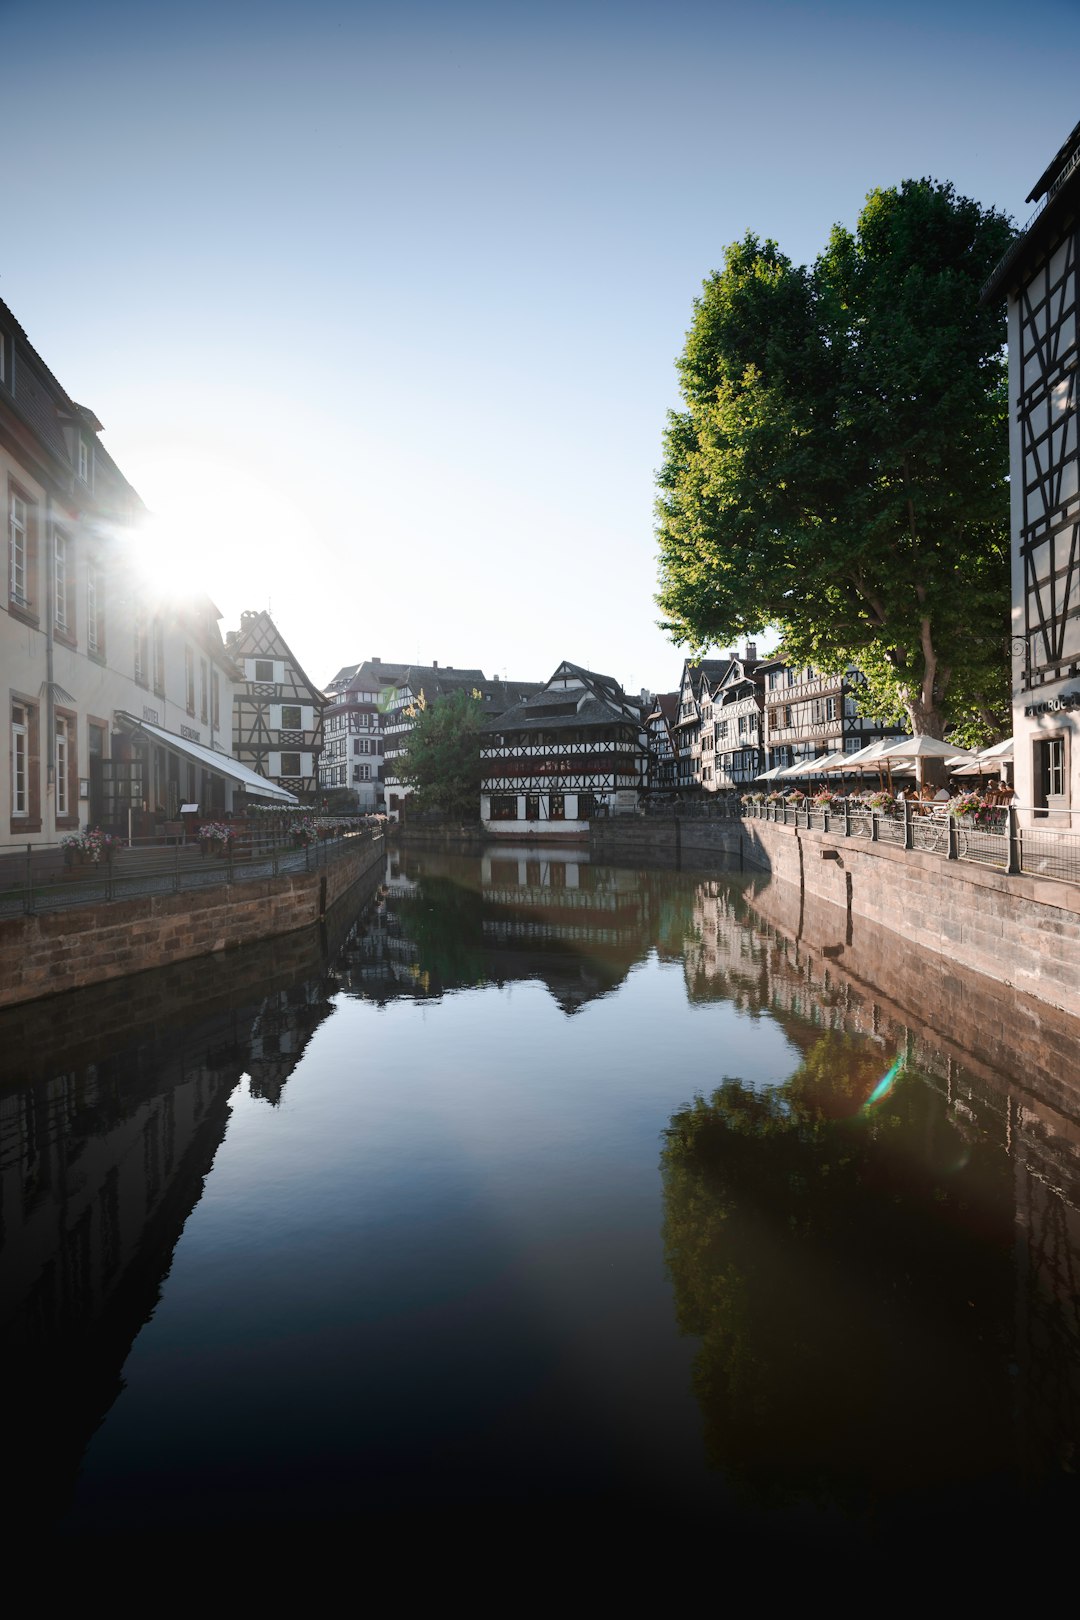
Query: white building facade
119, 698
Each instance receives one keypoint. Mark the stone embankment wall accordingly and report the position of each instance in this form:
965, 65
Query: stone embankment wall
47, 954
1018, 930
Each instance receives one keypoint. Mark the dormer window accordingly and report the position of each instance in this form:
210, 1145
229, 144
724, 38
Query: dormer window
84, 461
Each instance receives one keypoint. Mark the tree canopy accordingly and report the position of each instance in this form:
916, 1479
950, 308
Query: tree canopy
440, 760
840, 468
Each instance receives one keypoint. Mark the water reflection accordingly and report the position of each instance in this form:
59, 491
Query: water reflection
115, 1101
870, 1235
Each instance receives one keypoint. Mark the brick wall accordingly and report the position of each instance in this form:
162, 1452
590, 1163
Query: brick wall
66, 950
1020, 931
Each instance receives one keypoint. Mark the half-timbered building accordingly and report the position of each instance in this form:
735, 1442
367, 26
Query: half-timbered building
277, 711
661, 734
576, 746
738, 706
694, 730
808, 713
1040, 277
357, 699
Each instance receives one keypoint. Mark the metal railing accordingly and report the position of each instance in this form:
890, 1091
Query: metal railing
993, 838
38, 878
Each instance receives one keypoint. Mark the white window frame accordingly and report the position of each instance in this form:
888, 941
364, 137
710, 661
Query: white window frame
60, 578
18, 527
60, 757
92, 609
84, 461
20, 762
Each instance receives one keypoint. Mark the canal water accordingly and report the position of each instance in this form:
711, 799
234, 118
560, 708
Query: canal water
543, 1192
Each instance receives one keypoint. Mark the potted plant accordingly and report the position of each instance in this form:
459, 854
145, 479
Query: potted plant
99, 846
882, 801
214, 837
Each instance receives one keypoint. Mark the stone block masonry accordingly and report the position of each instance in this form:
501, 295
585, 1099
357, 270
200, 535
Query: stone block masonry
1019, 930
56, 951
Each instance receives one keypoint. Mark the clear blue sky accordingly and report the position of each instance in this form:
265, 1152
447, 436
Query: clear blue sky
379, 303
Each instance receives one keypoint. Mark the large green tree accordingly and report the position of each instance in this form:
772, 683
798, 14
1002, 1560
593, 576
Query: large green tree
840, 467
441, 756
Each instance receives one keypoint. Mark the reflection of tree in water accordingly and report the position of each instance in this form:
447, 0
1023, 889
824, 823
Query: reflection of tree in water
849, 1273
444, 922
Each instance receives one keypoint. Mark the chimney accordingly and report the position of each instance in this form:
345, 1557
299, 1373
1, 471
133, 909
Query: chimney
434, 663
376, 660
751, 649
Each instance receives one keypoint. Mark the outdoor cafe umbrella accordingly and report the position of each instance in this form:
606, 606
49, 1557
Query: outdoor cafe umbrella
988, 762
767, 776
870, 755
919, 749
813, 767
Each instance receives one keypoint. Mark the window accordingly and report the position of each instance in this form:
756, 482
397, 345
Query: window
19, 550
189, 680
20, 761
291, 717
25, 768
142, 647
586, 806
830, 708
361, 773
60, 580
787, 714
264, 670
215, 687
504, 807
84, 461
159, 657
95, 610
204, 691
1051, 776
557, 807
62, 762
290, 764
532, 807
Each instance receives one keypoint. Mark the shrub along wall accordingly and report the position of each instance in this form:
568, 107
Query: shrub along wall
65, 950
1018, 930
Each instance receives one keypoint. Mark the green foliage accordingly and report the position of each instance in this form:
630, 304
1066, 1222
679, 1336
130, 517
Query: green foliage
843, 1274
440, 760
840, 467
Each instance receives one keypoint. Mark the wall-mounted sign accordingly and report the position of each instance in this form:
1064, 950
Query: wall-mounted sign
1064, 704
190, 733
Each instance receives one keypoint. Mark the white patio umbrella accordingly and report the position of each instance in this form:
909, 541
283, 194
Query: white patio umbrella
988, 763
916, 750
812, 767
873, 751
767, 776
1001, 751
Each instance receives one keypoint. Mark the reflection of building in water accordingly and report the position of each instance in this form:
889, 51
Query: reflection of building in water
100, 1166
99, 1169
285, 1024
735, 953
527, 914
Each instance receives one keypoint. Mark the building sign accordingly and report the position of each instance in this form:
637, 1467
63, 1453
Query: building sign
151, 715
1059, 705
190, 733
